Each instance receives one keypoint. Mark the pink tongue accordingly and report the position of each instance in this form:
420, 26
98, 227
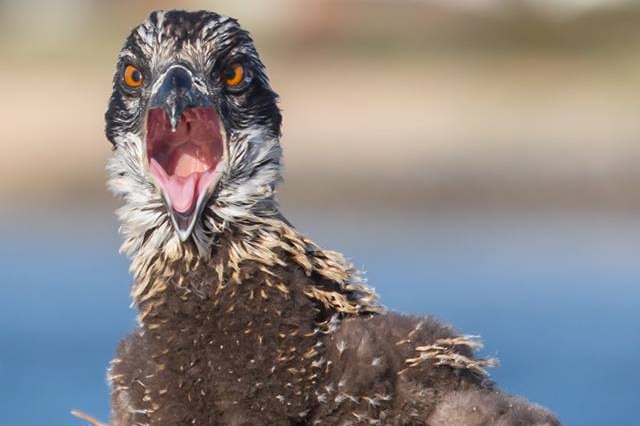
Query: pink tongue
182, 191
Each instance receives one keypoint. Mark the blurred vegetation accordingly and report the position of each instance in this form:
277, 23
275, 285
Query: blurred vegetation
65, 28
390, 102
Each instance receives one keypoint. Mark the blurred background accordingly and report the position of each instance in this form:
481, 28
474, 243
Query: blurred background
478, 158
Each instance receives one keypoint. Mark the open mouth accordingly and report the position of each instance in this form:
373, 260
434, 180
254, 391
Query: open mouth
187, 161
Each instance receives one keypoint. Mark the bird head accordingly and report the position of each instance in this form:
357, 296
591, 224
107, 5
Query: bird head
195, 125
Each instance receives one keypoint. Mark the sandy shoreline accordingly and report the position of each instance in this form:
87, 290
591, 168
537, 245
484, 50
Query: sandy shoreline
448, 128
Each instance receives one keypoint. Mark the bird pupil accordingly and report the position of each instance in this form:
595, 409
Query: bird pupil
136, 76
230, 73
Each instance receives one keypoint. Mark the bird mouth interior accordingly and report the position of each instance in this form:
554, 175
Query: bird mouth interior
185, 161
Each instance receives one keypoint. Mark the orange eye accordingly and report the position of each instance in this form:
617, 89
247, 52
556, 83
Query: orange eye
132, 76
233, 75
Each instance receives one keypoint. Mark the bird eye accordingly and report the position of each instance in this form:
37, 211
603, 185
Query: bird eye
132, 76
233, 75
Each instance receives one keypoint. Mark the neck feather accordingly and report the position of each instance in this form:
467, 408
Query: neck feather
240, 227
264, 245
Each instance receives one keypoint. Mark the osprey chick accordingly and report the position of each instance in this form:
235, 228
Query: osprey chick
242, 320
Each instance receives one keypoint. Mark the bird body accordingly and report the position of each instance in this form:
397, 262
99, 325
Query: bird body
242, 319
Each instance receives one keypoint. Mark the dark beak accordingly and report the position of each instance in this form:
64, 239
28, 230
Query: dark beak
177, 93
185, 144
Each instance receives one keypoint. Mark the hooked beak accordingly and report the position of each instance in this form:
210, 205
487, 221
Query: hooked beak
185, 146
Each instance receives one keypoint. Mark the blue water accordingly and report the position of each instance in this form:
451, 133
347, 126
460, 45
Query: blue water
555, 297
